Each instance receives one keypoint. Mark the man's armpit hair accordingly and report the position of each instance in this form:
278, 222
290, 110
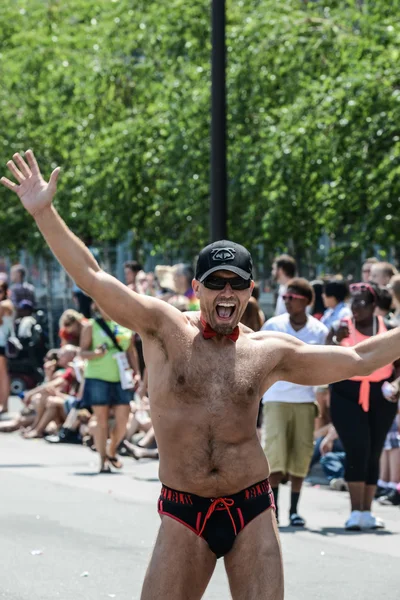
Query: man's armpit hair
154, 334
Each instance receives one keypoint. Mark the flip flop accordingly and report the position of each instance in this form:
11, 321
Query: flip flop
116, 463
105, 469
296, 520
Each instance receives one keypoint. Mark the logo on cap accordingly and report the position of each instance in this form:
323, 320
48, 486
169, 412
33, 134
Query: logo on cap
223, 254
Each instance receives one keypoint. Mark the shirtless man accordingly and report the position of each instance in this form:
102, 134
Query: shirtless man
205, 390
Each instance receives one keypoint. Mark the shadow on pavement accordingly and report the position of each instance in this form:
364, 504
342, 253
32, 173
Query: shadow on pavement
330, 531
22, 465
94, 474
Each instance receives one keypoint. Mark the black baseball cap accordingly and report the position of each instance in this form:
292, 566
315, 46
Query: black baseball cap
224, 256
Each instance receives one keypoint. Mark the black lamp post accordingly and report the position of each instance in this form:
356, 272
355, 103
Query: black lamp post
218, 229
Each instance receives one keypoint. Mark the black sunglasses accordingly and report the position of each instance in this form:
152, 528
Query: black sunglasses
219, 283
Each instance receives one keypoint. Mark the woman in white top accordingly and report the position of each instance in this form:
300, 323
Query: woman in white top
6, 317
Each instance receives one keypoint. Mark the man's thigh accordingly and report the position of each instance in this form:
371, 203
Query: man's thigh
302, 438
276, 424
181, 565
254, 565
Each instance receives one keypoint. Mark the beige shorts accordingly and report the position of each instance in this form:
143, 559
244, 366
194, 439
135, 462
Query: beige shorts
289, 429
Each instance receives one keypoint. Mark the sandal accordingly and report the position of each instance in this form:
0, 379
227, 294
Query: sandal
116, 463
296, 520
105, 468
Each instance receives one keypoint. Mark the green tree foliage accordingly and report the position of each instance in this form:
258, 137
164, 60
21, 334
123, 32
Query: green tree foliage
118, 93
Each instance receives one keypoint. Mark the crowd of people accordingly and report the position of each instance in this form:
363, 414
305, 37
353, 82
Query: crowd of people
94, 390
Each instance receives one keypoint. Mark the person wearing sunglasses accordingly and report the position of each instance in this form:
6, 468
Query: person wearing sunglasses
289, 409
206, 376
361, 414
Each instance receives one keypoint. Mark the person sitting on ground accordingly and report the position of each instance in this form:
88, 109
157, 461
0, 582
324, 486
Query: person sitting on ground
145, 448
55, 368
70, 327
140, 421
56, 395
27, 415
329, 452
334, 295
74, 418
389, 470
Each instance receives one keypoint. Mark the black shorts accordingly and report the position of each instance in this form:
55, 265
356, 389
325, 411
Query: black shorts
2, 351
217, 520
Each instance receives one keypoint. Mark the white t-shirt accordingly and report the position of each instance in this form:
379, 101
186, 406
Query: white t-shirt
280, 308
313, 332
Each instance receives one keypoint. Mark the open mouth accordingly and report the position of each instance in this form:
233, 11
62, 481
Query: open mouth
225, 310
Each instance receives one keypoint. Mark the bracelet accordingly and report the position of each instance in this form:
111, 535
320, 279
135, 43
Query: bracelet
335, 340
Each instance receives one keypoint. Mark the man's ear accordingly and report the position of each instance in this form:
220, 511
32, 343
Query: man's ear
196, 288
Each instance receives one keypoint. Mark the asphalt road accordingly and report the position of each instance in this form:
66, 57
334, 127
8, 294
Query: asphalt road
67, 533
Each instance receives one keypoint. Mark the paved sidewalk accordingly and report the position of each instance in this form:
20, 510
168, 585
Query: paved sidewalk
53, 502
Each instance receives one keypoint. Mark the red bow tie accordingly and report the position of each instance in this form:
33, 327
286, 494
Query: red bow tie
208, 332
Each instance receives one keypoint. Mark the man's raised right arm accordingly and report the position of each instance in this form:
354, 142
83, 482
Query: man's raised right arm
119, 302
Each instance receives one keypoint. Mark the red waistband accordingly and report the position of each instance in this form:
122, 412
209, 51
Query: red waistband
258, 489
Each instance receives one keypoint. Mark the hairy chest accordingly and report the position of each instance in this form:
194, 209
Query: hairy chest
216, 377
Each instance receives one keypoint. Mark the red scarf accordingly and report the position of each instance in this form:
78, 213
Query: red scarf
208, 332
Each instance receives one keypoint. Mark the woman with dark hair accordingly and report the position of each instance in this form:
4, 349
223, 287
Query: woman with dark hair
361, 413
318, 307
334, 295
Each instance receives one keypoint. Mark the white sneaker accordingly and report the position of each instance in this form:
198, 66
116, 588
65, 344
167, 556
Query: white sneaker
369, 521
353, 523
339, 484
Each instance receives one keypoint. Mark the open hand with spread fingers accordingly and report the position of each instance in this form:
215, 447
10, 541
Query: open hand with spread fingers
33, 191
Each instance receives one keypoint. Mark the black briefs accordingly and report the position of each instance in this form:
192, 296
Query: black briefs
217, 520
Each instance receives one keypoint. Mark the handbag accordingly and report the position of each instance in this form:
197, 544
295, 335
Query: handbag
126, 373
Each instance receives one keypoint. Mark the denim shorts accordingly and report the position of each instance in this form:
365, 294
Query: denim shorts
104, 393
